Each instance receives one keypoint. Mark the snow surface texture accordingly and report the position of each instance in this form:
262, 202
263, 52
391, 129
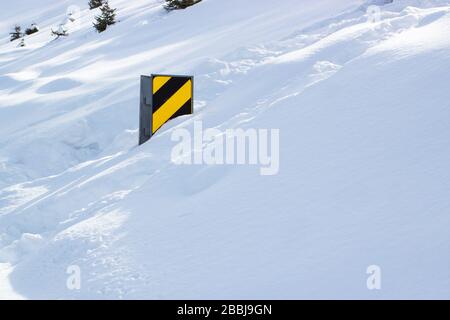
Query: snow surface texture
363, 109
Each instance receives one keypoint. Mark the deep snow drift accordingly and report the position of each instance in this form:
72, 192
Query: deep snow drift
362, 107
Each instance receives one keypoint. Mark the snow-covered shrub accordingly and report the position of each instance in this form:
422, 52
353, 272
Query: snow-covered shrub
179, 4
60, 32
33, 29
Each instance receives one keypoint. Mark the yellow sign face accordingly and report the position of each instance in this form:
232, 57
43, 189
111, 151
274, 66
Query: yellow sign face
172, 97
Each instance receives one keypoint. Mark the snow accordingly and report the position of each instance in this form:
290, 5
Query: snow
362, 109
6, 292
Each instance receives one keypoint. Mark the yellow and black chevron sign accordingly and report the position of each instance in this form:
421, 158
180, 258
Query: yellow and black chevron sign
163, 97
172, 97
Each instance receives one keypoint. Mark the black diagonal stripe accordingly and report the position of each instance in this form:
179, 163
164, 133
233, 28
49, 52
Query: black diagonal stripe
168, 90
184, 110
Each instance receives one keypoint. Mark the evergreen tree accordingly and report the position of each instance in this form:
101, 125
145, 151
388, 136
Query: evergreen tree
107, 18
95, 3
17, 33
179, 4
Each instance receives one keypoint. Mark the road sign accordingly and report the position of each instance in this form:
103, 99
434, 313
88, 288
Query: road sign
163, 97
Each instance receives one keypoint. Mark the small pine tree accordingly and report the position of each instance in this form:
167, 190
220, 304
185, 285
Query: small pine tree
17, 33
95, 4
179, 4
107, 18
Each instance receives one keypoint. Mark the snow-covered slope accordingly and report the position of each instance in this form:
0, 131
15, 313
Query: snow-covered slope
362, 109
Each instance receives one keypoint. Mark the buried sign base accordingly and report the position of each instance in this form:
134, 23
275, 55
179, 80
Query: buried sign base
163, 97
